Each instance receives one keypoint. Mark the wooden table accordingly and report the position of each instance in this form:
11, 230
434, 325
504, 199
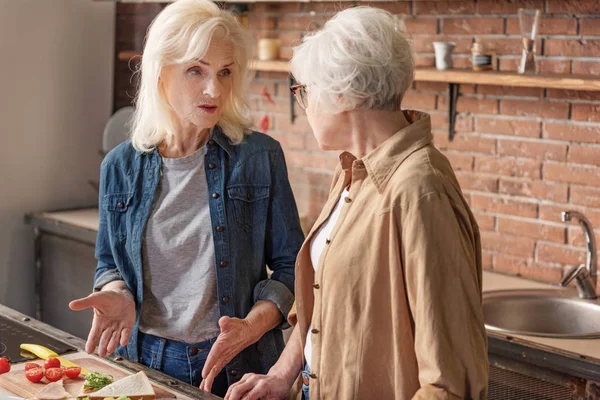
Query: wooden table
165, 386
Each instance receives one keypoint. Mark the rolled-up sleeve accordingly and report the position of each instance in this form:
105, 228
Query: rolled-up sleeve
106, 270
441, 262
282, 241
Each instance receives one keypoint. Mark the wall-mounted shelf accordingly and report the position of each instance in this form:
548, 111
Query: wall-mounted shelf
455, 77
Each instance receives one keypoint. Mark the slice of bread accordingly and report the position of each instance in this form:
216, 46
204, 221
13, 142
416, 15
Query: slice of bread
53, 391
136, 387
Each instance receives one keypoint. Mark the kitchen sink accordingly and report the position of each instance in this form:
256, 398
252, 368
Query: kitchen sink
541, 312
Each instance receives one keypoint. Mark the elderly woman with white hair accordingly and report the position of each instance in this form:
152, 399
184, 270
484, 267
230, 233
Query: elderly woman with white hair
192, 210
388, 281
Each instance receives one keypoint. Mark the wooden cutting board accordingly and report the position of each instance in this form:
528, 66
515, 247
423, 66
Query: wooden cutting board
16, 382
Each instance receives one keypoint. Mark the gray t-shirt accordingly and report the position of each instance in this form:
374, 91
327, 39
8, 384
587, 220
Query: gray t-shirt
178, 256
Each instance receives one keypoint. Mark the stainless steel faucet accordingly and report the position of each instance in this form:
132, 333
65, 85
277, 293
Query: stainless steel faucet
586, 274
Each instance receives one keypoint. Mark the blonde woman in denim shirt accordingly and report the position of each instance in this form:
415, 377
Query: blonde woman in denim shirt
192, 209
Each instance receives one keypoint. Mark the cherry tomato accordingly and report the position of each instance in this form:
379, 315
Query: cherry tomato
72, 372
54, 374
29, 366
34, 374
51, 363
4, 365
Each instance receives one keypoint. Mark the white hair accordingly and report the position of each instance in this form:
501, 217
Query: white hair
360, 59
180, 34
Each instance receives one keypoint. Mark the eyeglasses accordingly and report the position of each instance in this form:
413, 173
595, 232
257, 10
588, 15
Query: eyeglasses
299, 92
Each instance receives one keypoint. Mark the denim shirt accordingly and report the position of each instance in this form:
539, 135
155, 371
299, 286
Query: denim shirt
254, 220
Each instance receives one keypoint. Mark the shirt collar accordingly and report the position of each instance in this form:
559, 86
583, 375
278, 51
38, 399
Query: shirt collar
384, 160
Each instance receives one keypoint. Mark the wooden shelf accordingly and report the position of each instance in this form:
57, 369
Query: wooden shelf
496, 78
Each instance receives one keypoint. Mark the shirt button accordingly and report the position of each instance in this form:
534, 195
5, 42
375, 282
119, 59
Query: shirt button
223, 264
211, 142
316, 286
121, 204
348, 200
220, 228
212, 166
225, 299
194, 351
234, 372
313, 376
216, 195
315, 331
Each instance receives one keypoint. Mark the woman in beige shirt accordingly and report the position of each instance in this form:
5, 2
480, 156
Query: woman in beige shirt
388, 282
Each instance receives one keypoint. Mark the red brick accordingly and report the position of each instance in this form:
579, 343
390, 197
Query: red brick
503, 205
464, 123
286, 53
508, 64
574, 7
585, 196
572, 47
532, 229
589, 26
510, 91
301, 23
586, 112
586, 68
545, 272
512, 46
463, 26
470, 143
577, 237
480, 183
260, 22
571, 132
548, 26
507, 7
421, 25
485, 222
573, 94
552, 212
444, 7
432, 86
538, 190
560, 254
584, 154
280, 106
521, 167
583, 175
394, 7
424, 61
507, 264
266, 8
460, 161
487, 259
507, 244
326, 7
533, 149
257, 87
471, 105
462, 62
554, 66
420, 101
540, 109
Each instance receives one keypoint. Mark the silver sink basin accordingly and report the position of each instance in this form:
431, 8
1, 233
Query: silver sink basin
546, 313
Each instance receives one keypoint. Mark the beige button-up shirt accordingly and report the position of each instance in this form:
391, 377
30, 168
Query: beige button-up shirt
395, 303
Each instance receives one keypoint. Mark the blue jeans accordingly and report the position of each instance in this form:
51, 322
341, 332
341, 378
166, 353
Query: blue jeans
180, 360
305, 374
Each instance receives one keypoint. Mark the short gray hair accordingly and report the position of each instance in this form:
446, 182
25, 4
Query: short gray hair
360, 59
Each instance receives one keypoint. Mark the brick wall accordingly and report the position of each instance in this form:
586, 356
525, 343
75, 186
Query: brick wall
522, 155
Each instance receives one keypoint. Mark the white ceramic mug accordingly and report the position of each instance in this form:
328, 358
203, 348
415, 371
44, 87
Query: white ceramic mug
443, 54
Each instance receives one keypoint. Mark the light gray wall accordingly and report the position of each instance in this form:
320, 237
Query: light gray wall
56, 63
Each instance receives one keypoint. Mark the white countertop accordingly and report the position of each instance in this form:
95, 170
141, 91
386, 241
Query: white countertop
495, 281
